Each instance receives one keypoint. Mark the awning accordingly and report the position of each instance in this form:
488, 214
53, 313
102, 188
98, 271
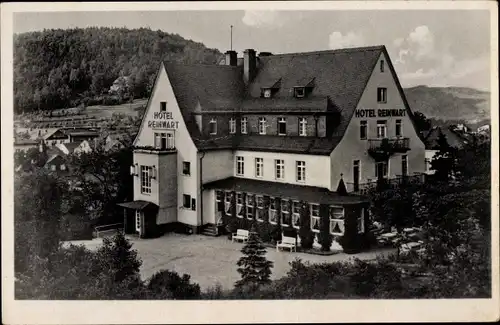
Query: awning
310, 194
137, 205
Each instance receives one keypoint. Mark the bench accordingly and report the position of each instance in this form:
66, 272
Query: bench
287, 242
240, 234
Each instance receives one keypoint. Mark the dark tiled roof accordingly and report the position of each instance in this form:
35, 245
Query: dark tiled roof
295, 144
452, 138
310, 194
72, 146
339, 78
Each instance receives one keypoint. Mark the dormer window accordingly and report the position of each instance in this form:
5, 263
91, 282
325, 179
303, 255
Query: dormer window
266, 93
213, 126
299, 92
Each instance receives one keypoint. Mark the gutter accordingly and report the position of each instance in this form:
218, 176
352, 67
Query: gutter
201, 187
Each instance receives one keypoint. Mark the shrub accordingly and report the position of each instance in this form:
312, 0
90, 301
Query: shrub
213, 293
169, 285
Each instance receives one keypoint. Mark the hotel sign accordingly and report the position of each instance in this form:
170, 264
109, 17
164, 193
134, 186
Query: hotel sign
380, 112
163, 120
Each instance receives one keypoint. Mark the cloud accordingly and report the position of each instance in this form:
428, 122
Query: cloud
351, 39
421, 42
419, 75
267, 18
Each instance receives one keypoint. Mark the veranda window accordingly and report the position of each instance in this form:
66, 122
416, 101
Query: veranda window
336, 220
250, 206
259, 201
273, 214
296, 214
314, 212
285, 213
227, 203
239, 205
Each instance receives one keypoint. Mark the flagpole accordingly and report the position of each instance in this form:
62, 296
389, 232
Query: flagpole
231, 37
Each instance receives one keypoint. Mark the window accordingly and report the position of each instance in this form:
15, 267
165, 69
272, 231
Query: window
259, 167
302, 126
399, 128
186, 168
145, 179
336, 220
285, 213
250, 206
170, 141
262, 125
244, 125
381, 129
138, 220
259, 201
314, 212
163, 106
232, 125
273, 215
363, 128
404, 165
53, 167
227, 203
299, 92
193, 204
296, 214
186, 201
240, 165
282, 126
301, 171
164, 140
361, 221
279, 168
382, 65
427, 164
266, 93
382, 95
213, 126
63, 167
381, 169
239, 205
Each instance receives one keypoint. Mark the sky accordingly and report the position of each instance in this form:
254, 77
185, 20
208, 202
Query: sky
427, 47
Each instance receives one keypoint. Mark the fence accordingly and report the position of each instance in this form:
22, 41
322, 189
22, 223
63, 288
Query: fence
106, 230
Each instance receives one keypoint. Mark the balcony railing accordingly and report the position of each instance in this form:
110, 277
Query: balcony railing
382, 149
364, 188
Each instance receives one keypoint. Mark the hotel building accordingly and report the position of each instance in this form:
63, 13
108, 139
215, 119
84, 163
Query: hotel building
274, 139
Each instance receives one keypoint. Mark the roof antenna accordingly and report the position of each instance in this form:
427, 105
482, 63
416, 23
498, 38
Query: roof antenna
231, 37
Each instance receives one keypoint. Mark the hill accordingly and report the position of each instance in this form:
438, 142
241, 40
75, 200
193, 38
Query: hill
64, 68
450, 103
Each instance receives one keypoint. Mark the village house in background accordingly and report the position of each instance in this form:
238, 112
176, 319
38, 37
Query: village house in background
271, 137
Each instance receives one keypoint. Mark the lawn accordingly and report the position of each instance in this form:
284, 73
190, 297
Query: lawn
212, 260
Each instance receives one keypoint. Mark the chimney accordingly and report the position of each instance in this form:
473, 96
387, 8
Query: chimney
261, 54
249, 65
231, 58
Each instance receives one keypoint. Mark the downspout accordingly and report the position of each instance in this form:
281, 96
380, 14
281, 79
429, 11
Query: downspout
201, 187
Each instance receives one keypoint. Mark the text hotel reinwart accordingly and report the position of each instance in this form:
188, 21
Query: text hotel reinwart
271, 138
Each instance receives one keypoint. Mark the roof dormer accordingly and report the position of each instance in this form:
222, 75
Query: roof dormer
268, 90
303, 87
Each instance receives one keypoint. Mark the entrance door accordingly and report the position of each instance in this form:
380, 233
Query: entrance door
138, 221
356, 175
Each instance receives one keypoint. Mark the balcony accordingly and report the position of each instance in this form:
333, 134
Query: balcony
385, 183
382, 149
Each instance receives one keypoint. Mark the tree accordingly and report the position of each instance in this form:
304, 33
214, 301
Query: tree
169, 285
254, 268
422, 123
443, 162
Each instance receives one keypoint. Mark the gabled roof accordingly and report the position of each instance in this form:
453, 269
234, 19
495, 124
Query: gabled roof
453, 139
72, 146
337, 80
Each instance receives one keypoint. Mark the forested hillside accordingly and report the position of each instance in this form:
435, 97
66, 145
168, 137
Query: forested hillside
65, 68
